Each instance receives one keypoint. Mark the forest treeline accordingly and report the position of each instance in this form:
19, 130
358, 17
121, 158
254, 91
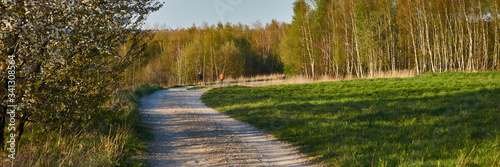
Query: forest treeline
178, 56
336, 38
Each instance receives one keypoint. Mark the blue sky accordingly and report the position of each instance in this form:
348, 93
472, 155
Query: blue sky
183, 13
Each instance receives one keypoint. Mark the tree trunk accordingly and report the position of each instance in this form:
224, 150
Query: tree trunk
3, 115
20, 129
497, 47
391, 47
485, 47
470, 40
412, 36
359, 66
496, 43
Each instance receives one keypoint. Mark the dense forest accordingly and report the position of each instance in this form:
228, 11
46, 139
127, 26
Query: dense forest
355, 38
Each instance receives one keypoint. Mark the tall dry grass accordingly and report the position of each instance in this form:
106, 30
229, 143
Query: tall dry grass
280, 79
84, 149
114, 141
258, 77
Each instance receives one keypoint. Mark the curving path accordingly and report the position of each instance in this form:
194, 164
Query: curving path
188, 133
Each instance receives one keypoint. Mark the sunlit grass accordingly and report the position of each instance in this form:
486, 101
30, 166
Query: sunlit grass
449, 119
282, 79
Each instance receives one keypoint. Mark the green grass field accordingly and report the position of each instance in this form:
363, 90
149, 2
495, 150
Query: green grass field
447, 119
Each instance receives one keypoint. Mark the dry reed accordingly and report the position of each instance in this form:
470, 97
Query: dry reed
279, 79
85, 149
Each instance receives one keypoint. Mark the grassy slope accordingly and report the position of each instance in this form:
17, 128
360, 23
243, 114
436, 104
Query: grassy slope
451, 118
135, 145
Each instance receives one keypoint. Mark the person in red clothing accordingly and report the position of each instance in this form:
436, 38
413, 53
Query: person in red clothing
221, 77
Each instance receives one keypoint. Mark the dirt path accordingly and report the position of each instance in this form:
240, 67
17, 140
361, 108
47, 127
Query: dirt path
188, 133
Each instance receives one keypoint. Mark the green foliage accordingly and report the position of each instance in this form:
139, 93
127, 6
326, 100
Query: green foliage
290, 48
449, 119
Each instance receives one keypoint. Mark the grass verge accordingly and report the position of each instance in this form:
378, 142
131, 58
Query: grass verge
449, 119
198, 88
117, 140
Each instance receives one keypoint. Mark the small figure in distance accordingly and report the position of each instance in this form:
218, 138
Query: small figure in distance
200, 78
221, 77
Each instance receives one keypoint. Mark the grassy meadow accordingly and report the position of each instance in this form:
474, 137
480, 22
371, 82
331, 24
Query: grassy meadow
446, 119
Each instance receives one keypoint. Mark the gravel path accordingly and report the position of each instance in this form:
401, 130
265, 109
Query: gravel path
188, 133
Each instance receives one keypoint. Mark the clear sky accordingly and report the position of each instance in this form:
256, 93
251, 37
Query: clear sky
183, 13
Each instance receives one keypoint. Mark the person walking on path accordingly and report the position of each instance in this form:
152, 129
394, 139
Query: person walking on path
221, 77
200, 78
